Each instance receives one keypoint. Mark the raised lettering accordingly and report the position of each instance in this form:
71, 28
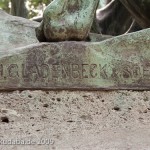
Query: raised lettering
24, 71
85, 70
146, 71
65, 71
56, 69
126, 72
136, 71
75, 71
1, 70
103, 71
13, 71
93, 72
44, 71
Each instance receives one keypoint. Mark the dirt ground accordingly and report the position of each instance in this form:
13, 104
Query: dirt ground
75, 120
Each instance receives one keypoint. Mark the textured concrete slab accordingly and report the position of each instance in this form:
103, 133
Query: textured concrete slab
75, 120
122, 62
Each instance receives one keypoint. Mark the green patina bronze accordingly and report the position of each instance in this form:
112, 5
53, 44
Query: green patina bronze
121, 62
67, 20
71, 20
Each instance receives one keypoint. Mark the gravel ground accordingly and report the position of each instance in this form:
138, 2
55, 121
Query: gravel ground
75, 120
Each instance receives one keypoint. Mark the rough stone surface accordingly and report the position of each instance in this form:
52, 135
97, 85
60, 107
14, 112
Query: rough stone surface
16, 32
76, 120
67, 20
122, 62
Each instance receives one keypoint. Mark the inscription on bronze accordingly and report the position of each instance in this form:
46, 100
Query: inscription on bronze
85, 71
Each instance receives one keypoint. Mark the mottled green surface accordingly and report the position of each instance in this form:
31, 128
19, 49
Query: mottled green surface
122, 62
67, 20
16, 31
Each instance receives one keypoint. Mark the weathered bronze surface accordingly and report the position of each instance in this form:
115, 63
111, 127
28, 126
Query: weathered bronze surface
65, 20
16, 31
122, 62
